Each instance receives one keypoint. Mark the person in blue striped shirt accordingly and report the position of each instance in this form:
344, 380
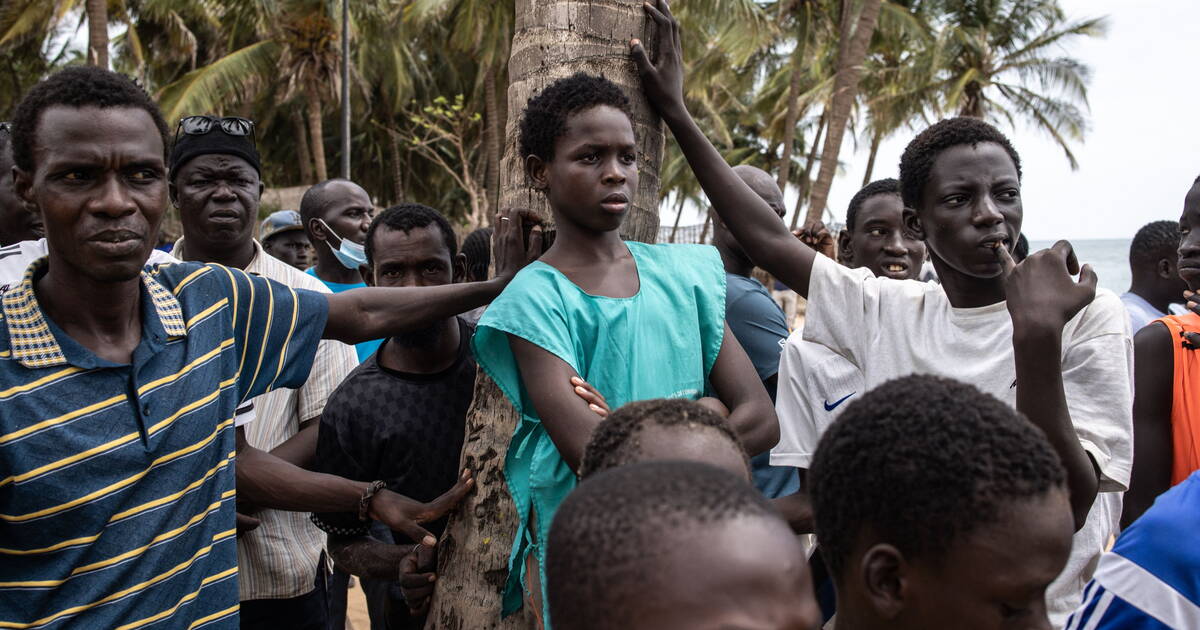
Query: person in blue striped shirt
119, 382
1151, 578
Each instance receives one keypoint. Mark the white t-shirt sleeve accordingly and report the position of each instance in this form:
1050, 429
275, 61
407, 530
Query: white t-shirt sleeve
815, 384
843, 305
1098, 382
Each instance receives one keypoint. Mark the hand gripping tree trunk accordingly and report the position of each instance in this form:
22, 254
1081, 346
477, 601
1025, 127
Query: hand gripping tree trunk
850, 58
554, 39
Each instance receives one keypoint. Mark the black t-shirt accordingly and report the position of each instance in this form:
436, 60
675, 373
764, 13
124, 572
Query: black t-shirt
406, 429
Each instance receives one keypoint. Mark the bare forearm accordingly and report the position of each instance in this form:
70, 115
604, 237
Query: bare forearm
762, 235
756, 424
796, 509
375, 313
369, 558
300, 449
267, 481
1041, 397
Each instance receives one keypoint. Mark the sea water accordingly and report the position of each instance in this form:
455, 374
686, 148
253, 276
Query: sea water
1108, 257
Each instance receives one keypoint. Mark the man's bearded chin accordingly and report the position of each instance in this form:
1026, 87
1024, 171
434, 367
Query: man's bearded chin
424, 338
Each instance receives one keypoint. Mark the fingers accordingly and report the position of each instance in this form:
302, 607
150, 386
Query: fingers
414, 532
638, 52
1087, 278
438, 507
1191, 340
593, 398
1193, 303
657, 15
1006, 259
246, 523
1066, 253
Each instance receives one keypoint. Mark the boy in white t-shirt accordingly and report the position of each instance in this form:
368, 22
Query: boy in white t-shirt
1030, 334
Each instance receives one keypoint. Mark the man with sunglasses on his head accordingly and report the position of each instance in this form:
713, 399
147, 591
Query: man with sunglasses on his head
120, 382
215, 181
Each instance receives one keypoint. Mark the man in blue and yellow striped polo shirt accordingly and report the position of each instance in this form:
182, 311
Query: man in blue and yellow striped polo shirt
119, 382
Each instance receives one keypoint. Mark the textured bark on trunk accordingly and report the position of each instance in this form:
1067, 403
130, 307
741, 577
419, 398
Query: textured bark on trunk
493, 143
302, 152
845, 84
876, 138
553, 39
789, 120
317, 131
806, 178
97, 18
397, 171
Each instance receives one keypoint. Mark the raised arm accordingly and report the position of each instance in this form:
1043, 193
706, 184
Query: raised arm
751, 414
1153, 373
762, 235
377, 312
1042, 298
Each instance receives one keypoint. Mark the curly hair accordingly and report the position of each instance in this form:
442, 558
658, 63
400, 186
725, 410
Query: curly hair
609, 533
477, 247
920, 154
1153, 242
887, 186
545, 118
614, 442
78, 86
922, 462
406, 217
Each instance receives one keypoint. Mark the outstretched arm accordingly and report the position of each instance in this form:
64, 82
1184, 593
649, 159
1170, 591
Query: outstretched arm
375, 312
751, 414
751, 220
1153, 373
265, 480
1042, 298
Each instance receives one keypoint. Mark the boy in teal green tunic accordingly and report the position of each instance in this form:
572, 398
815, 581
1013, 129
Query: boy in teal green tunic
636, 321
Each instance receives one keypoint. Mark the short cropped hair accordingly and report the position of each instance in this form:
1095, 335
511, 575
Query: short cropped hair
609, 532
406, 217
78, 86
887, 186
545, 118
922, 151
614, 442
477, 248
1155, 241
922, 462
313, 202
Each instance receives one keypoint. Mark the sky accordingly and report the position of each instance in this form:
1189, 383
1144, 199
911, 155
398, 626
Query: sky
1143, 149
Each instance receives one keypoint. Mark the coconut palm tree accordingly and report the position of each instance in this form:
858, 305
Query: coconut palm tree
1002, 60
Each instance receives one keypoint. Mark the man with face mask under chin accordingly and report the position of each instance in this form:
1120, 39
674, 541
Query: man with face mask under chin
336, 215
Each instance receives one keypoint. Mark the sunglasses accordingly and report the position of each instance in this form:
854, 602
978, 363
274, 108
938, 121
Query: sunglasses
200, 125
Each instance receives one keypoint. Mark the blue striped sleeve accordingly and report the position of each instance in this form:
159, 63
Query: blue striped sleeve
276, 330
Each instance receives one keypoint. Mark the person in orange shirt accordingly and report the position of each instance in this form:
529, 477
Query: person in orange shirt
1166, 405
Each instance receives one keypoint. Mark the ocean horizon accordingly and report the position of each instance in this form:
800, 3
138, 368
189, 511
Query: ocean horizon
1108, 256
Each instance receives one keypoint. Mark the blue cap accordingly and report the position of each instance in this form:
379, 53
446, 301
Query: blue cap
279, 222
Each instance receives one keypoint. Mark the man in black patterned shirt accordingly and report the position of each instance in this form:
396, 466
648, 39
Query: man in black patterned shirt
399, 417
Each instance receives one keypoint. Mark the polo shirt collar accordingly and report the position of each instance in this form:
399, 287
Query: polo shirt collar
32, 336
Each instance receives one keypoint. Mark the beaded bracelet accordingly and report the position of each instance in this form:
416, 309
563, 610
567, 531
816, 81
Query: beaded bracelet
364, 502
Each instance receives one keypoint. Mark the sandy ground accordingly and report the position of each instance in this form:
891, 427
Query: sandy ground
356, 609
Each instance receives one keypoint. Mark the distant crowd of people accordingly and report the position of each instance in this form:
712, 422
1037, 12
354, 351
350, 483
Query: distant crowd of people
221, 432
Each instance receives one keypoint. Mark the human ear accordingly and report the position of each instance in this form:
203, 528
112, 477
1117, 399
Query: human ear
844, 251
316, 230
535, 168
459, 273
885, 582
1164, 268
23, 185
912, 223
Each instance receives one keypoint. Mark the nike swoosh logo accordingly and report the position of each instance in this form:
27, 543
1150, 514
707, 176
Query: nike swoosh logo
829, 407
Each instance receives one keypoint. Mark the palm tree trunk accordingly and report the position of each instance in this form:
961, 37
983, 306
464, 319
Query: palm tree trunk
678, 216
554, 38
302, 152
793, 106
492, 140
876, 138
97, 19
397, 172
316, 131
850, 58
806, 177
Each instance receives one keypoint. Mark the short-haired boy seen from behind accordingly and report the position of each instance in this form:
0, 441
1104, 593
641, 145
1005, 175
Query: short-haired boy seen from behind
1166, 408
756, 320
938, 506
663, 429
602, 309
674, 545
1030, 334
1154, 269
